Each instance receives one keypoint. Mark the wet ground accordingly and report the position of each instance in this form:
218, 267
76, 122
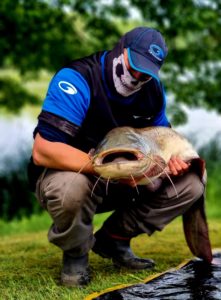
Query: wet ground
196, 280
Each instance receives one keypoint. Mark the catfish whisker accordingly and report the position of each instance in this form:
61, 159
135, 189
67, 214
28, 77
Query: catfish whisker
82, 168
150, 181
135, 184
171, 181
95, 185
166, 173
108, 180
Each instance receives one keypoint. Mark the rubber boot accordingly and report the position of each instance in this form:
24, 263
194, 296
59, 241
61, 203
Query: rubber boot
75, 271
118, 249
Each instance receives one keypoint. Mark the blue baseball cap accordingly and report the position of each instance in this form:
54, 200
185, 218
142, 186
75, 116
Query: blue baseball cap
146, 50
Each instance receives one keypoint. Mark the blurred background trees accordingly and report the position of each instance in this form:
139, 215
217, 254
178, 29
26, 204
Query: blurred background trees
41, 35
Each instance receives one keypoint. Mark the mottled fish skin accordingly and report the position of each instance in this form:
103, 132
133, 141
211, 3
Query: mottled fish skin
127, 151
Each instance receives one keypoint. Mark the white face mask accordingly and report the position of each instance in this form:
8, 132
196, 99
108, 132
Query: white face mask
124, 82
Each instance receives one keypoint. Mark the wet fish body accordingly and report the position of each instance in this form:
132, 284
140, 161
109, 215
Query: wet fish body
141, 153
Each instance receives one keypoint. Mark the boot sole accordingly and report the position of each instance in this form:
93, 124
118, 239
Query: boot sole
73, 281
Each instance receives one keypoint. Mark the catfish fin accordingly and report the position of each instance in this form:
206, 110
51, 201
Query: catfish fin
196, 231
198, 166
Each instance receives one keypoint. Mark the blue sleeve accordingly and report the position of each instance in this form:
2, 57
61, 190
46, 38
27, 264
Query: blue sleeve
161, 118
68, 96
51, 133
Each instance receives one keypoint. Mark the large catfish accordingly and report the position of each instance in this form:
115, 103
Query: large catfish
143, 155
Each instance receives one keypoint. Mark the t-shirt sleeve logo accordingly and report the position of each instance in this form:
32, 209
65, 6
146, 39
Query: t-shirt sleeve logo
67, 87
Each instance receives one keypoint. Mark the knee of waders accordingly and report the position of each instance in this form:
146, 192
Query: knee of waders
68, 192
76, 193
195, 187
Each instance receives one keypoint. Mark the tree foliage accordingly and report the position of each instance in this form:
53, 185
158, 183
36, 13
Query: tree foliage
12, 92
46, 34
211, 153
191, 28
16, 198
37, 34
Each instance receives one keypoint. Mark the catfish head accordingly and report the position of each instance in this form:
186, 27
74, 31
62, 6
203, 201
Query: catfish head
125, 153
142, 154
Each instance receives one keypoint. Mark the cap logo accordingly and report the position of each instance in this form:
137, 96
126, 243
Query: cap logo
156, 51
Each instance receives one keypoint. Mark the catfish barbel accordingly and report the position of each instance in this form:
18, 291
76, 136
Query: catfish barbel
143, 155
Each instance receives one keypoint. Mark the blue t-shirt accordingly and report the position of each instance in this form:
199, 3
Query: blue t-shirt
68, 96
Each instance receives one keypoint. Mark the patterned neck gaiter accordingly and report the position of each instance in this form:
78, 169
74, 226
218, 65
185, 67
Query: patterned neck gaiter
125, 84
119, 79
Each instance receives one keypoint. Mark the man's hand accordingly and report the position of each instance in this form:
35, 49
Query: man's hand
177, 166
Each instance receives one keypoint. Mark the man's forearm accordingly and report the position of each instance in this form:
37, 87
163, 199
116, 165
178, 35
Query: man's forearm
60, 156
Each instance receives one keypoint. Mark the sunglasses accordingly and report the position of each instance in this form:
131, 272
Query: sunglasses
141, 76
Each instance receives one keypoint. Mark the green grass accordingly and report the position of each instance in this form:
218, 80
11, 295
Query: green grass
30, 266
35, 223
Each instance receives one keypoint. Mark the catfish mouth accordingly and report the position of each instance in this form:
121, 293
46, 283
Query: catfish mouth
122, 163
118, 156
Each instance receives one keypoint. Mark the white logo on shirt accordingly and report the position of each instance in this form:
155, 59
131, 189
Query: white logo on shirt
142, 117
67, 87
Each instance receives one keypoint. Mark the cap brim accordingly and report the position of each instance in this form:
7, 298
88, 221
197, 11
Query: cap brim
141, 64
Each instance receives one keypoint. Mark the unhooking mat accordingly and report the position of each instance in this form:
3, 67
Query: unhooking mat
196, 280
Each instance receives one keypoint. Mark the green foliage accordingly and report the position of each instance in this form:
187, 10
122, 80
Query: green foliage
33, 223
14, 96
35, 35
176, 114
40, 34
191, 29
212, 155
16, 198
